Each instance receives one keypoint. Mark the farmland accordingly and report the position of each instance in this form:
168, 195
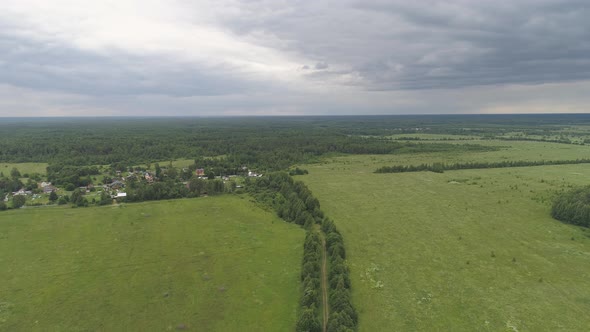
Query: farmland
24, 168
214, 263
462, 250
464, 247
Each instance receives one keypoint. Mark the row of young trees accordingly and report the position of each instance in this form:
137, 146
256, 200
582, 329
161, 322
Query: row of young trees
441, 167
294, 202
573, 207
311, 284
343, 317
530, 139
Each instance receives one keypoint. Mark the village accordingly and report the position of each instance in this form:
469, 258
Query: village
112, 186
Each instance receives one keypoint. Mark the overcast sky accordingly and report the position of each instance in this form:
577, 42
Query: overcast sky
218, 58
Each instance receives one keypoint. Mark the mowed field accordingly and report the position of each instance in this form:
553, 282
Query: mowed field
206, 264
470, 250
24, 168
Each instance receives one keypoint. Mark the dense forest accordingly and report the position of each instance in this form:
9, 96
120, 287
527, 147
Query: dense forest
278, 142
573, 207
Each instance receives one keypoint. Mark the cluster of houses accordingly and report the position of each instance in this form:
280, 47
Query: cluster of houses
46, 187
118, 184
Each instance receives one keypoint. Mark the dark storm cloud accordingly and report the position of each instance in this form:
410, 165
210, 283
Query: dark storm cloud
430, 44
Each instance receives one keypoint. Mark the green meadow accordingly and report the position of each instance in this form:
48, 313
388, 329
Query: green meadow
507, 150
469, 250
206, 264
24, 168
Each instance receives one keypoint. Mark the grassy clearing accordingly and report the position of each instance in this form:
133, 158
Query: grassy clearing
511, 150
463, 250
434, 136
24, 168
211, 264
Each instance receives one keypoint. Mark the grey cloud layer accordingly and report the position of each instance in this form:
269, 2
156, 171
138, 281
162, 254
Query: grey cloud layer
379, 54
49, 66
430, 44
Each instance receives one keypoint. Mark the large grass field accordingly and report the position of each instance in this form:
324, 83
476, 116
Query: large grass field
508, 150
24, 168
470, 250
206, 264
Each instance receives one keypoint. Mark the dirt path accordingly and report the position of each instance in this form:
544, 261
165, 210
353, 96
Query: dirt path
325, 305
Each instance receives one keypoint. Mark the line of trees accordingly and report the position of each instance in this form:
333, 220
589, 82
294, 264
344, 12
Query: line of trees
531, 139
343, 316
573, 207
294, 202
441, 167
311, 284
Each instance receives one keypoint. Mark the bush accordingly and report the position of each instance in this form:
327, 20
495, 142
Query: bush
18, 201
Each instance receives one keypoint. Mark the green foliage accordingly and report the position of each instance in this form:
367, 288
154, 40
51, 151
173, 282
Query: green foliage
298, 171
308, 321
440, 167
77, 198
266, 144
14, 173
294, 202
10, 185
53, 196
18, 201
105, 198
71, 176
573, 207
3, 206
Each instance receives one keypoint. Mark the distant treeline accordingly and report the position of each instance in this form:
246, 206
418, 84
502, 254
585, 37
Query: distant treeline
264, 144
573, 207
530, 139
441, 167
294, 202
413, 138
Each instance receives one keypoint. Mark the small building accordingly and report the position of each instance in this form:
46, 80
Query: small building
200, 172
117, 184
49, 189
22, 192
44, 184
148, 177
119, 195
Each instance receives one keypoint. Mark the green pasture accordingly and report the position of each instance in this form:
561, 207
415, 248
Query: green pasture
470, 250
508, 150
24, 168
206, 264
